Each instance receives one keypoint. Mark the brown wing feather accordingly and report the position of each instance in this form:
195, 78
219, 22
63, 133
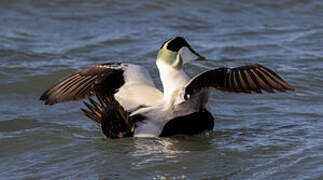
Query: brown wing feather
244, 84
261, 81
110, 115
101, 78
246, 79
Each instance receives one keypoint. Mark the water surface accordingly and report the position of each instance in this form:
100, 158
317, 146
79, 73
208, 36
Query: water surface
267, 136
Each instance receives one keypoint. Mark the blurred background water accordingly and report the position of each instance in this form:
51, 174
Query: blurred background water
267, 136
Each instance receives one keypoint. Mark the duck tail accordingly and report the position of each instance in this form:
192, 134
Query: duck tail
110, 115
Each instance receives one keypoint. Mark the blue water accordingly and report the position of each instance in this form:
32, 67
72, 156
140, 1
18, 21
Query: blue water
267, 136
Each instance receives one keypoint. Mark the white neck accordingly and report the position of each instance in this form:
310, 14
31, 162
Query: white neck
171, 78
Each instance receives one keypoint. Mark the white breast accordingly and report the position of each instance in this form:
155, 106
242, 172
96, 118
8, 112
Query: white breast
173, 80
138, 89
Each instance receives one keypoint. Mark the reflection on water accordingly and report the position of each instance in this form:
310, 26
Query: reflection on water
266, 136
145, 147
154, 150
160, 149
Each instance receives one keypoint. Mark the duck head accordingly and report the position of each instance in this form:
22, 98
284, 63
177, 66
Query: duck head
176, 52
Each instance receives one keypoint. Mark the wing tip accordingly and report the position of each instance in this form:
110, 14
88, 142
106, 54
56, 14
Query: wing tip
46, 100
44, 96
290, 89
93, 112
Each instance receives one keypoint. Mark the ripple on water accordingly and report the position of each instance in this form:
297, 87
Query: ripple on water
255, 136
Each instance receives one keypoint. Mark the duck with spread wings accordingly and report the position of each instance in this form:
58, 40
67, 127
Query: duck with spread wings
129, 104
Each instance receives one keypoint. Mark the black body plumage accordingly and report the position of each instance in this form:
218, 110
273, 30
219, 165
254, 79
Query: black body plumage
115, 122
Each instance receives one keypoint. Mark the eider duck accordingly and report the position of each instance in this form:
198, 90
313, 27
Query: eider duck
130, 105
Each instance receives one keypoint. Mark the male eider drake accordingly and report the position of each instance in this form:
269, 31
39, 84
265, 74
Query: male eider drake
130, 104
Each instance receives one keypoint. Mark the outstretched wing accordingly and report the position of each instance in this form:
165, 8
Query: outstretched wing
242, 79
109, 78
110, 115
